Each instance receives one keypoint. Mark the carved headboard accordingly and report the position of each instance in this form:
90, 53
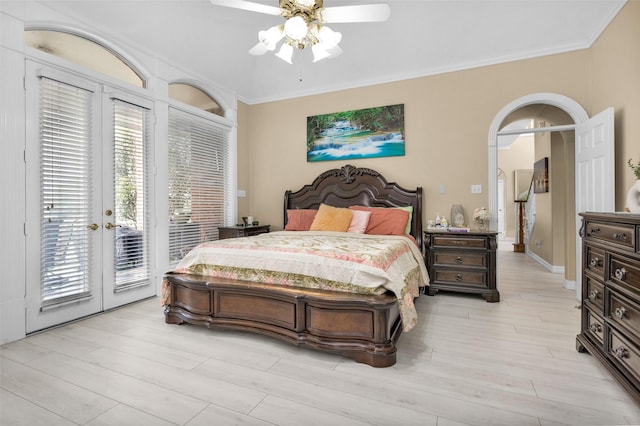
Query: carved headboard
351, 185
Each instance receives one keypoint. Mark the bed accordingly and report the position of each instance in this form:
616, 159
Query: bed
364, 326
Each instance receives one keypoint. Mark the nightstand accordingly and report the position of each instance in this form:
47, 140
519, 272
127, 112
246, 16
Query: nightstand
241, 231
464, 262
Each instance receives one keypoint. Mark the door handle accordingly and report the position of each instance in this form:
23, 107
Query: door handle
93, 226
110, 225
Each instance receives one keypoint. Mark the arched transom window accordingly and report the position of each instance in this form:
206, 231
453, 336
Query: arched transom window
195, 97
84, 52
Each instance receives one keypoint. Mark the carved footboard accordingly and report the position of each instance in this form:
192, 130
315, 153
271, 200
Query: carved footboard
362, 327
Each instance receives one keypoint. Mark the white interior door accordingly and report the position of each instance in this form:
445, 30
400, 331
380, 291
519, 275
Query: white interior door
595, 173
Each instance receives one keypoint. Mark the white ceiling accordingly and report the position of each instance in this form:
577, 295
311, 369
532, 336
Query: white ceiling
420, 38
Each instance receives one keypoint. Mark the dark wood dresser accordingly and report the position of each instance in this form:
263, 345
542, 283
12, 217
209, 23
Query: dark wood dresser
241, 231
463, 262
610, 329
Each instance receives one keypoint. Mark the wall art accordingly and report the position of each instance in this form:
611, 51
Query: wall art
364, 133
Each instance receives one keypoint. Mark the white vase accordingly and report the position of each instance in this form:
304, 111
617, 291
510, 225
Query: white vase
633, 197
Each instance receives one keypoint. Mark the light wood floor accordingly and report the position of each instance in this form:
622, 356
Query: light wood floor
468, 362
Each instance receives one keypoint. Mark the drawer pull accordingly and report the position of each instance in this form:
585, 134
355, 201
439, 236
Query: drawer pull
460, 243
595, 262
620, 312
593, 295
619, 237
621, 352
458, 277
620, 274
595, 328
595, 230
459, 259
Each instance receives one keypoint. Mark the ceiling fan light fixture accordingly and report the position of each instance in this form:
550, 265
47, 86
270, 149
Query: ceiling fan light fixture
296, 28
328, 37
285, 53
271, 37
305, 3
319, 52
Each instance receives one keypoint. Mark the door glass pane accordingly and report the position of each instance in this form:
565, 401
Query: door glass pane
131, 218
66, 197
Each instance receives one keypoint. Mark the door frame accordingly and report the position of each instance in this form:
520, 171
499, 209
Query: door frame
568, 105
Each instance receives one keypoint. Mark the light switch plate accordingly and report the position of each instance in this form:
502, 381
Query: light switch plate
441, 188
476, 189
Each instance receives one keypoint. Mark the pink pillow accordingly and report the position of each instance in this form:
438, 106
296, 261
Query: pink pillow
359, 221
385, 221
300, 220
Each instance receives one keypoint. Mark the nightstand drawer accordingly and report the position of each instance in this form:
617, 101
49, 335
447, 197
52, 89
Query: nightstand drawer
225, 232
468, 278
478, 260
452, 241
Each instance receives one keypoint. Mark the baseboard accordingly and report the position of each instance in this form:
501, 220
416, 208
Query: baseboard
569, 285
549, 267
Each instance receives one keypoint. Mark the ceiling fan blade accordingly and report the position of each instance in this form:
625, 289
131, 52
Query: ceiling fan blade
359, 13
248, 5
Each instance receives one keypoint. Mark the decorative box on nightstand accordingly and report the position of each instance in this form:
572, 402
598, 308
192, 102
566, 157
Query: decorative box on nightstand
462, 261
241, 231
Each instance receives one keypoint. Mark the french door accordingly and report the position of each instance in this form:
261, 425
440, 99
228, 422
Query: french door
88, 196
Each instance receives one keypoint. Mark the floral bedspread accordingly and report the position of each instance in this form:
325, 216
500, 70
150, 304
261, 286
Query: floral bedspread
338, 261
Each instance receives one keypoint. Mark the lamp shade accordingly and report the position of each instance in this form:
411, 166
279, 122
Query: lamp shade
285, 53
295, 28
271, 37
328, 37
319, 52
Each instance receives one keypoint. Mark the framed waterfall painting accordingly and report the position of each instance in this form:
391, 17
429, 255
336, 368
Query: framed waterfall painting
364, 133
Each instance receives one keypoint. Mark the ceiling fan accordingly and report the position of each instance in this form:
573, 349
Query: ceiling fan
304, 25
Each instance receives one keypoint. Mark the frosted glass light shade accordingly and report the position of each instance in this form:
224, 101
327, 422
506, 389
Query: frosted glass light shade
285, 53
295, 28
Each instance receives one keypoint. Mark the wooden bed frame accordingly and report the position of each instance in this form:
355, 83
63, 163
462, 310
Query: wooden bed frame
365, 328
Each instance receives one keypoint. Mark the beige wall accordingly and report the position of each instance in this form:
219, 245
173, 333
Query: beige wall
447, 118
519, 156
614, 65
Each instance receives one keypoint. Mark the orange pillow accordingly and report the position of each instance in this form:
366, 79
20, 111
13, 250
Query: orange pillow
331, 219
385, 221
300, 219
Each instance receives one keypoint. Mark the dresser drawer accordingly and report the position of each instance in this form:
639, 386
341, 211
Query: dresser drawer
463, 242
624, 272
594, 326
594, 294
625, 353
624, 313
621, 234
468, 278
477, 260
595, 261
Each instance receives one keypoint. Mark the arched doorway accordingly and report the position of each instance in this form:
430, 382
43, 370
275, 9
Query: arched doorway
587, 197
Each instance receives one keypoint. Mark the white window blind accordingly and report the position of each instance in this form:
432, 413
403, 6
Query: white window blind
199, 182
66, 196
131, 195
